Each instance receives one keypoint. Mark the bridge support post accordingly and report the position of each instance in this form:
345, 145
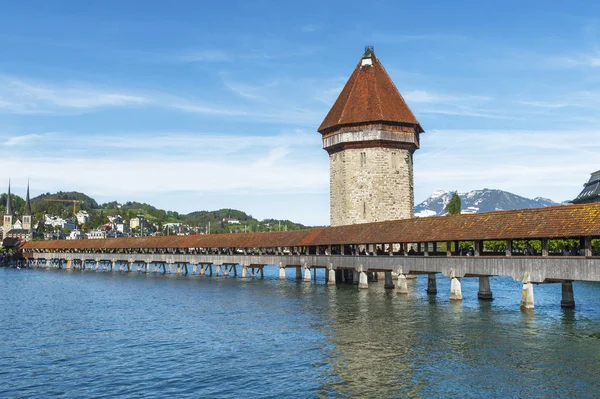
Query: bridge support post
568, 300
307, 277
179, 268
69, 264
455, 288
485, 292
402, 285
226, 271
194, 269
508, 248
128, 267
527, 301
363, 283
112, 266
281, 271
431, 284
298, 273
244, 271
389, 283
210, 270
234, 270
356, 277
330, 274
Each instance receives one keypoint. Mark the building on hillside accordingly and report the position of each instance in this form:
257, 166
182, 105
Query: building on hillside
122, 228
77, 235
58, 222
82, 217
231, 221
96, 234
115, 219
591, 190
370, 134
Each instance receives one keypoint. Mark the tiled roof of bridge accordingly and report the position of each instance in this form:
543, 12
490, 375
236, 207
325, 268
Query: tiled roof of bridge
551, 222
369, 96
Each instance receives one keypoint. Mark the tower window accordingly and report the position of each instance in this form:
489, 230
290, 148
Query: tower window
394, 160
363, 159
364, 210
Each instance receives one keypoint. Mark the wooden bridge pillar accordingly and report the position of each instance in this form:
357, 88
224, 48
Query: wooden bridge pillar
587, 246
244, 271
389, 284
431, 284
478, 247
298, 273
485, 292
568, 300
544, 247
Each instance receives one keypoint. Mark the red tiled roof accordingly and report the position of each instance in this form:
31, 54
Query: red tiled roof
369, 96
567, 221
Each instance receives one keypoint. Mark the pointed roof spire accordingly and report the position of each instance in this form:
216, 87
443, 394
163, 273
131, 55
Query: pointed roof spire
27, 202
369, 96
8, 201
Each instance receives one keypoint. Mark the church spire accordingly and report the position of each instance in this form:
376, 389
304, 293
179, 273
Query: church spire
27, 202
8, 201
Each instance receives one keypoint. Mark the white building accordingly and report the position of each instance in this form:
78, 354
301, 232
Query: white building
76, 235
96, 234
56, 221
115, 219
82, 217
122, 228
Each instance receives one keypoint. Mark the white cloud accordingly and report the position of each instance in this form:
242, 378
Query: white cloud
19, 95
165, 162
20, 140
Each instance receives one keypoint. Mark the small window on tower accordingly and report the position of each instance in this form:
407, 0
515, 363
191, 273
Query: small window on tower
394, 160
363, 159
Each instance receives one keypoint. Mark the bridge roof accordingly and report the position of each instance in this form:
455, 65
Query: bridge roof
567, 221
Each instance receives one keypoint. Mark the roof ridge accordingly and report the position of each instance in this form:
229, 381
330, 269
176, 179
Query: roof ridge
375, 88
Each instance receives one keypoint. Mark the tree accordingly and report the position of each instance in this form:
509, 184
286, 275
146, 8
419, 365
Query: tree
453, 207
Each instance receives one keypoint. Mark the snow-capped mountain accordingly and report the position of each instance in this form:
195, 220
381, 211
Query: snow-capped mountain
476, 201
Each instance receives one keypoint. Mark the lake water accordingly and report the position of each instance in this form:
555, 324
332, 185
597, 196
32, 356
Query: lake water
100, 334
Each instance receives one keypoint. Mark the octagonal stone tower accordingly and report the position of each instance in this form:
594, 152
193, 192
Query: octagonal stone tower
370, 135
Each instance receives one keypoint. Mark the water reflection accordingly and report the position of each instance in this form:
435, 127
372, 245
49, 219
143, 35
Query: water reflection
382, 344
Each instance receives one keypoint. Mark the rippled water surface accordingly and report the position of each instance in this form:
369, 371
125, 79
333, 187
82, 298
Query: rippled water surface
99, 334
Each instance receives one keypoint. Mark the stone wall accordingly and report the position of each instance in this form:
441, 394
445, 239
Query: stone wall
370, 185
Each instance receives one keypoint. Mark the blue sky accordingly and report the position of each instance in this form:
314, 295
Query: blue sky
192, 105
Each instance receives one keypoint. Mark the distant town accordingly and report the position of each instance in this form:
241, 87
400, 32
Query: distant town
74, 216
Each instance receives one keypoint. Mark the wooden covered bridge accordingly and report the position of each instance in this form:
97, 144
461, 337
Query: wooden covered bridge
354, 253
